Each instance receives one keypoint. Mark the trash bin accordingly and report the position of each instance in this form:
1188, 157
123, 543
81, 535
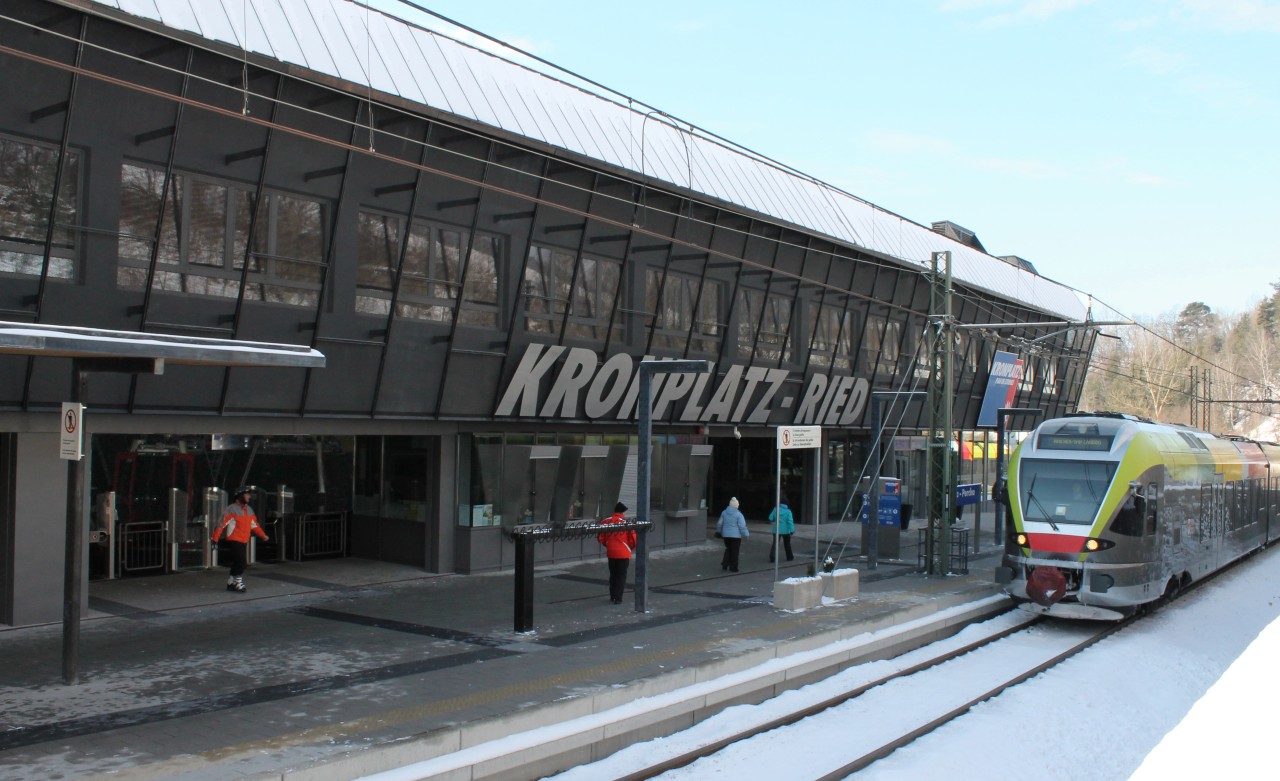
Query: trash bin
905, 519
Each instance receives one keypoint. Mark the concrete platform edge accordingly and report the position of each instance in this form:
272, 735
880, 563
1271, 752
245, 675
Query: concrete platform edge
525, 759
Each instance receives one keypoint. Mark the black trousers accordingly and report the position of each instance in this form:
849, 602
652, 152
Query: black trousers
729, 561
239, 557
786, 545
617, 578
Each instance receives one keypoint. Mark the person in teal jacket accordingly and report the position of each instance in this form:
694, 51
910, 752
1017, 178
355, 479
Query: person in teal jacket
784, 525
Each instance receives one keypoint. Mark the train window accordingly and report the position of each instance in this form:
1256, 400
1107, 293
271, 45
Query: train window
1128, 521
1057, 492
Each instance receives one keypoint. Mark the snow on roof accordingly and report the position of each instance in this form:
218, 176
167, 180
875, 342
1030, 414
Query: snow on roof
371, 49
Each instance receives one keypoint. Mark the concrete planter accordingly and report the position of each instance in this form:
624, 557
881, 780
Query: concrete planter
841, 584
797, 593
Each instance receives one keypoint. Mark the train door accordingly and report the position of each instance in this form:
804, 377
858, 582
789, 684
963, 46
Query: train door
1213, 505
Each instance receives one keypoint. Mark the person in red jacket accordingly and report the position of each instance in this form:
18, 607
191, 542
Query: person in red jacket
618, 547
238, 523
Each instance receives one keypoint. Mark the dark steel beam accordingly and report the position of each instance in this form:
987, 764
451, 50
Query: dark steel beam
248, 154
50, 110
389, 189
158, 133
311, 176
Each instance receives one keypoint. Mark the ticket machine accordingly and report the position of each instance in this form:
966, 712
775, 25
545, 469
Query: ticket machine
889, 528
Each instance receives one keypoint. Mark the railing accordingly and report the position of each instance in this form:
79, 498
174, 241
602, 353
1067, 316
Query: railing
312, 535
525, 537
143, 547
959, 550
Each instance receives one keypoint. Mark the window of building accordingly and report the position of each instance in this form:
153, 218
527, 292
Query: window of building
548, 278
882, 343
680, 314
1030, 374
1050, 377
391, 477
432, 274
520, 478
205, 235
27, 173
480, 287
763, 326
428, 285
830, 336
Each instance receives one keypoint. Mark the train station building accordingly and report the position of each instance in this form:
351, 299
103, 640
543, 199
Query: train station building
483, 253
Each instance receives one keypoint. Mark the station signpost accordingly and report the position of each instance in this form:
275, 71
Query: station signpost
793, 438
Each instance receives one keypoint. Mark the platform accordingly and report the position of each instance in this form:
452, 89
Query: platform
321, 661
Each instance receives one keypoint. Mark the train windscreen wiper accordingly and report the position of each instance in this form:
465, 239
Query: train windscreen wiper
1031, 497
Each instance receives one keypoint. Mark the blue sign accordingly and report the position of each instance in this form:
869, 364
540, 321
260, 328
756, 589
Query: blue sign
889, 509
969, 493
1002, 387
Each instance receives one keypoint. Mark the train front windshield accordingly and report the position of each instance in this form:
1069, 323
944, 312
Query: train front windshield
1057, 492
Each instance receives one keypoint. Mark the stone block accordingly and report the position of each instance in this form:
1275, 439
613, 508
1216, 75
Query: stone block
840, 584
797, 593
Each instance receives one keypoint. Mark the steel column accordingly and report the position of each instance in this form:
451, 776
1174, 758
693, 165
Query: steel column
643, 458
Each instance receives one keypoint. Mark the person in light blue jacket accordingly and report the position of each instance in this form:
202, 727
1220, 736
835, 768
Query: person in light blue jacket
784, 525
732, 527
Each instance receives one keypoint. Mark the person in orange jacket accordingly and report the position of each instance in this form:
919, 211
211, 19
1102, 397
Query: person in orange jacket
618, 547
238, 523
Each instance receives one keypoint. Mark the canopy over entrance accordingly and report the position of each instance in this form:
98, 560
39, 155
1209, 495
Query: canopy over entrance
60, 341
101, 350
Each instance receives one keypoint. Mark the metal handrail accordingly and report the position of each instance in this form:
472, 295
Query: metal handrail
570, 530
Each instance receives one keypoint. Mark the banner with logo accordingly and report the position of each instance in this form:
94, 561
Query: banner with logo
1002, 387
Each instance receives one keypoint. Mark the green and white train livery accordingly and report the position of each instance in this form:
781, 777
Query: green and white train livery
1111, 513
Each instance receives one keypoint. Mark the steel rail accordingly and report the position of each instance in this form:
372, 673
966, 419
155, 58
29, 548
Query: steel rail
714, 747
849, 768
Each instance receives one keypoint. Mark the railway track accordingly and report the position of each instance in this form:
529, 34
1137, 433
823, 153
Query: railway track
940, 684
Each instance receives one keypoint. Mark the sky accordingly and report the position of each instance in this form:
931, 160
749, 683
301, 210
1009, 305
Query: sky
1186, 692
1127, 149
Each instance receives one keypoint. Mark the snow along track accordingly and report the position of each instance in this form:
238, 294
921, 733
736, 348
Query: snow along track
936, 683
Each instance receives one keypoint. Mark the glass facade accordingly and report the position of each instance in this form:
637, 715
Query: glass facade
28, 171
515, 478
197, 231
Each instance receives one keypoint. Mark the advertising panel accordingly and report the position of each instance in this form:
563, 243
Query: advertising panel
1002, 387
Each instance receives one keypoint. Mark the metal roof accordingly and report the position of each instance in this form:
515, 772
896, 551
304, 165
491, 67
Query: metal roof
62, 341
368, 48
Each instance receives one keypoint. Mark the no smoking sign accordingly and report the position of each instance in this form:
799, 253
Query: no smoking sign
70, 441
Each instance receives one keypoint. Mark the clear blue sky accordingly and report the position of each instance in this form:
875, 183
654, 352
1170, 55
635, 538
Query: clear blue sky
1129, 149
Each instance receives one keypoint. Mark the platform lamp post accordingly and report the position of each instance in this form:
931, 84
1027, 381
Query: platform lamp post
877, 459
644, 456
1002, 419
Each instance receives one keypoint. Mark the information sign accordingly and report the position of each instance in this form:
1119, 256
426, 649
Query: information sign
968, 493
799, 437
69, 440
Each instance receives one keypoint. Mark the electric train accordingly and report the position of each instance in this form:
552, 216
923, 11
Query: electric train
1110, 514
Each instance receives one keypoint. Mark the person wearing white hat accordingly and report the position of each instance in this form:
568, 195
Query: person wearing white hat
732, 528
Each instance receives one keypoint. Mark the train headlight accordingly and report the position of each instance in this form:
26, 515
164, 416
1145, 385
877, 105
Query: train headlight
1094, 544
1021, 539
1090, 545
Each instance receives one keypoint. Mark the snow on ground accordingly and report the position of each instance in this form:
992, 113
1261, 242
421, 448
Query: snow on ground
1100, 715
